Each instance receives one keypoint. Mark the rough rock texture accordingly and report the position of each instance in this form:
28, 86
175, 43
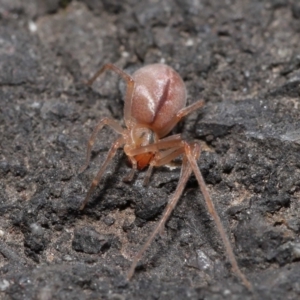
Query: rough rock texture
242, 57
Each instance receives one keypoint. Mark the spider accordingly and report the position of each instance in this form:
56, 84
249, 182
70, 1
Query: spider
155, 102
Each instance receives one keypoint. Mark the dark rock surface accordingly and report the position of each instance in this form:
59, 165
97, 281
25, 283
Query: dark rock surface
242, 57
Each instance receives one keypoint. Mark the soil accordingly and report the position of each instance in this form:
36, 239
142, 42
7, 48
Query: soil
242, 57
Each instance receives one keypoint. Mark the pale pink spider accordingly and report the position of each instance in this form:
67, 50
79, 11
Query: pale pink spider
154, 103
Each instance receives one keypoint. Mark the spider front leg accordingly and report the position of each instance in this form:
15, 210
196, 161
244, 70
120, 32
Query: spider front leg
171, 143
215, 216
163, 158
191, 154
186, 171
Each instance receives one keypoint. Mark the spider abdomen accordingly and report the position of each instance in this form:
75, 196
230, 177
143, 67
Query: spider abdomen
158, 95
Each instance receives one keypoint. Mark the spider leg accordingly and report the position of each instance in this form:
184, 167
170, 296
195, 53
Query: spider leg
167, 143
111, 153
171, 138
186, 171
211, 208
129, 91
182, 113
105, 121
148, 175
170, 143
161, 159
130, 175
167, 156
189, 109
